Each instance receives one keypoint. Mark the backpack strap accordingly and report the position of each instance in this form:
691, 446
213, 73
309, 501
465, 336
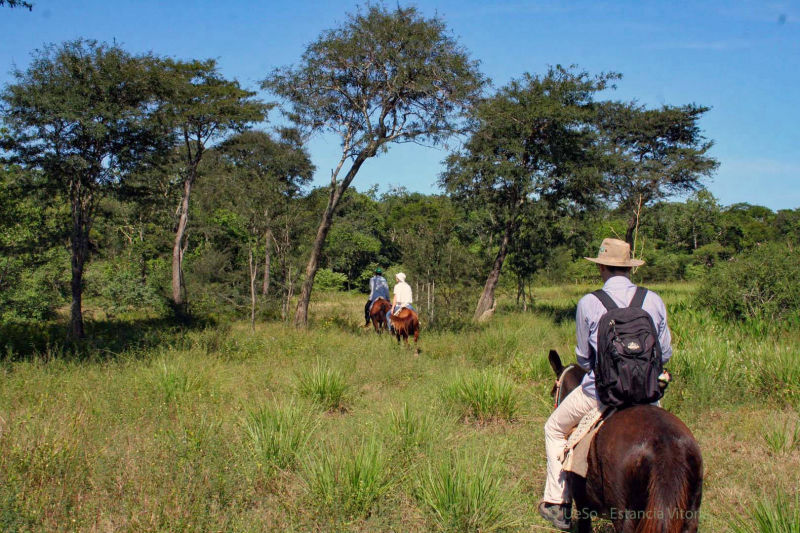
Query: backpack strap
638, 298
605, 299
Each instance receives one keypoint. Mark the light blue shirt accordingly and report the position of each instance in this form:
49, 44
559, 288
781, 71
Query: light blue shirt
590, 309
378, 288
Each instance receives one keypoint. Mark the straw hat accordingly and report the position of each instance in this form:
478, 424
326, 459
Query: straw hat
617, 253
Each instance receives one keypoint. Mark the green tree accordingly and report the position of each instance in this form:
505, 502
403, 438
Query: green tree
652, 154
205, 107
534, 142
84, 114
382, 77
255, 179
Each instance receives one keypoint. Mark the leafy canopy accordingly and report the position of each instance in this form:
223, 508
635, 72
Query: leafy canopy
382, 76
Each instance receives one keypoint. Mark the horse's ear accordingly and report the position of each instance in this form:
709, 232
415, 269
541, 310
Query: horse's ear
555, 362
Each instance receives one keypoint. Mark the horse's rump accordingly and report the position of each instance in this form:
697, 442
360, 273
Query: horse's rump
646, 466
379, 307
405, 323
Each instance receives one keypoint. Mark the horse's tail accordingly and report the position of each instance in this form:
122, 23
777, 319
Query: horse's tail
674, 493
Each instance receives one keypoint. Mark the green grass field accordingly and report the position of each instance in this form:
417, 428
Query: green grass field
225, 429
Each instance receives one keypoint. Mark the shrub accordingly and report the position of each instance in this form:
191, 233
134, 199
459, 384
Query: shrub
763, 283
121, 286
349, 480
278, 433
324, 386
463, 498
328, 280
485, 396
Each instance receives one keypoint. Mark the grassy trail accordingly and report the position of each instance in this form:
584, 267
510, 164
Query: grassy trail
334, 428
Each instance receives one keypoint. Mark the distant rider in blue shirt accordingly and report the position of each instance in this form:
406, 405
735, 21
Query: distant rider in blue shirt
378, 288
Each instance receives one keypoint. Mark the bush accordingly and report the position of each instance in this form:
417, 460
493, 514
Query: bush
328, 280
763, 283
121, 286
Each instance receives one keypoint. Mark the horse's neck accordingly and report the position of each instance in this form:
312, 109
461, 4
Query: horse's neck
570, 380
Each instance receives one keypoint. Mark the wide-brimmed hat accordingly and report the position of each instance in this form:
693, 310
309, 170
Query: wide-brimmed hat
614, 252
400, 276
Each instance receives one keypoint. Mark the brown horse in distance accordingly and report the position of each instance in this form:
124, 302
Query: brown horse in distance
406, 324
645, 468
377, 313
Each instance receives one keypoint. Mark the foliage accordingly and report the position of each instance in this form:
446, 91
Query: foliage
761, 284
534, 143
328, 280
651, 154
84, 142
382, 77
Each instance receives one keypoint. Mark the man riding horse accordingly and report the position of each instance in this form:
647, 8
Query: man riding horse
614, 263
378, 288
402, 296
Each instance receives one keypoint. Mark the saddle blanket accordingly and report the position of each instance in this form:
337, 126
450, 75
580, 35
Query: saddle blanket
575, 456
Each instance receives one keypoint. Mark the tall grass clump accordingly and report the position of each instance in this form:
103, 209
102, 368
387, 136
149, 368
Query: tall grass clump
413, 432
760, 284
174, 382
348, 481
465, 495
324, 386
783, 439
484, 396
780, 514
278, 433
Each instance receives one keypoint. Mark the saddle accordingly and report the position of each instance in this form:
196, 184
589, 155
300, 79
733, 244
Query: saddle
574, 457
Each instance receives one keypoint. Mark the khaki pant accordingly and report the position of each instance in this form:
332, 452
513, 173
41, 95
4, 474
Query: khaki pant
564, 418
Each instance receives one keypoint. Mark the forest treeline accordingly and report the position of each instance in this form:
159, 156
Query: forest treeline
144, 183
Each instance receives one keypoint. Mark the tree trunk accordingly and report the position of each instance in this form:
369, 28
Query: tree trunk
80, 247
81, 200
267, 261
630, 231
177, 249
301, 313
486, 303
253, 270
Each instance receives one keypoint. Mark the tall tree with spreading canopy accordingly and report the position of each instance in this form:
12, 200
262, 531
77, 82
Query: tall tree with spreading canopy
652, 154
205, 108
534, 141
382, 77
85, 115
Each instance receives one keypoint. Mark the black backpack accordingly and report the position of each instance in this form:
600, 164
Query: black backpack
628, 359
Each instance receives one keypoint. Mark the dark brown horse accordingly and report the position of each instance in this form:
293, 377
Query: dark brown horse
645, 468
377, 313
406, 324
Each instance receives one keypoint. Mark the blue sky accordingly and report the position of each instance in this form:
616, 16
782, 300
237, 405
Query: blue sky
740, 58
